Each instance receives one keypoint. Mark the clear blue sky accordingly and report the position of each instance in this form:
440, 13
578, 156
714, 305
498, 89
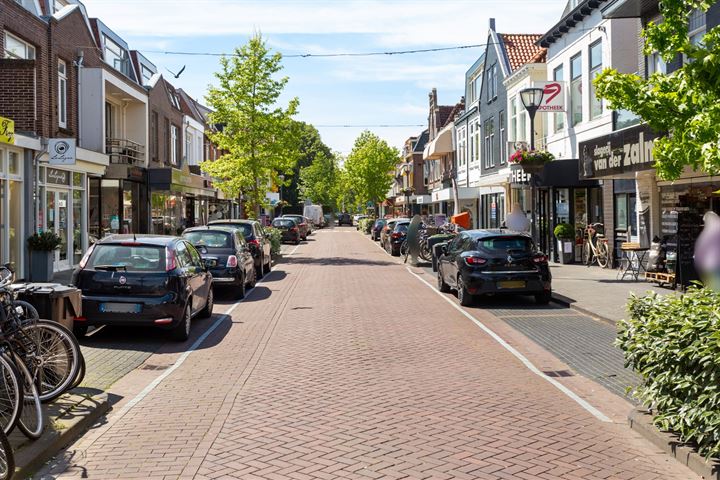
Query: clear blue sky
345, 90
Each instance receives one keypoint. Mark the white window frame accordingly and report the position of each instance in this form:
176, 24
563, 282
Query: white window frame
697, 32
593, 71
559, 117
574, 80
62, 94
173, 144
492, 83
503, 137
513, 118
143, 71
29, 53
120, 55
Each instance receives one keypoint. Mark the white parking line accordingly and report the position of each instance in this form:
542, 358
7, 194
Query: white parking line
530, 366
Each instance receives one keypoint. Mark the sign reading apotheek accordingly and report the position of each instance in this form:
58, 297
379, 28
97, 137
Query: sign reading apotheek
553, 96
7, 131
627, 150
61, 151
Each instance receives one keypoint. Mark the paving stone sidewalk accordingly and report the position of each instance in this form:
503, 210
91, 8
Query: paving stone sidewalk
348, 367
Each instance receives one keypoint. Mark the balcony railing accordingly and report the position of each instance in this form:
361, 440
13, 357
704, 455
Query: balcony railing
122, 150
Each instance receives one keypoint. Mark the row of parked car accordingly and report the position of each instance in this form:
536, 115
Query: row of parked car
478, 263
166, 281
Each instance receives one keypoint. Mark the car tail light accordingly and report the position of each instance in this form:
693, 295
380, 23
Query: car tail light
474, 261
80, 319
294, 229
540, 259
232, 261
86, 257
254, 241
170, 262
395, 235
163, 321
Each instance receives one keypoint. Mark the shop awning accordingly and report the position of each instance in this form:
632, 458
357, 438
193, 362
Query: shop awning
441, 144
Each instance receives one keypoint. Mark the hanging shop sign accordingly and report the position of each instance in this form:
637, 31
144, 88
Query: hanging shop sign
553, 96
7, 131
623, 151
61, 151
518, 176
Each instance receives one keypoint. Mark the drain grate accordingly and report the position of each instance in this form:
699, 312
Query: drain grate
154, 367
558, 373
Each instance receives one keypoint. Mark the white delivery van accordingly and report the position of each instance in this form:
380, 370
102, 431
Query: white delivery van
315, 214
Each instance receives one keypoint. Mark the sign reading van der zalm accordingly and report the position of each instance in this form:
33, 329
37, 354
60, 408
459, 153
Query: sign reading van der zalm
624, 151
7, 131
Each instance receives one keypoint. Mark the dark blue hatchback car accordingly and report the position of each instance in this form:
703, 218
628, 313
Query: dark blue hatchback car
143, 280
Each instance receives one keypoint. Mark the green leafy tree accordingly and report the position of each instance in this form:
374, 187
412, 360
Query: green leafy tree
318, 181
311, 149
369, 168
684, 105
258, 136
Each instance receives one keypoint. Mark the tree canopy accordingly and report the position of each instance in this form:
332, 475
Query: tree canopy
368, 170
683, 105
259, 138
317, 159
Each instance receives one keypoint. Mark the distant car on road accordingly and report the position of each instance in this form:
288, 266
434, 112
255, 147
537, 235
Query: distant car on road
226, 255
136, 280
257, 240
289, 230
344, 219
490, 262
397, 237
388, 229
302, 223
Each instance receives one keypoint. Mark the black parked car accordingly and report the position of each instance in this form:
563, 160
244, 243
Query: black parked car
480, 262
288, 228
344, 219
377, 228
255, 236
302, 224
226, 255
397, 237
143, 280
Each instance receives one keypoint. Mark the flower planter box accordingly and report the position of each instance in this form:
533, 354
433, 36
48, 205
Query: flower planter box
41, 265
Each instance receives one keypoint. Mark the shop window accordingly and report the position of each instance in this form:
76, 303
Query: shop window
595, 68
576, 111
14, 163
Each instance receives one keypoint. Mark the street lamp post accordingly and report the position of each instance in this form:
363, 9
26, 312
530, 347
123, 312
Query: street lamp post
282, 179
532, 99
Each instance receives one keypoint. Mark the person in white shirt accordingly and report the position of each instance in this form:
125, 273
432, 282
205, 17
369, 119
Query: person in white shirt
517, 220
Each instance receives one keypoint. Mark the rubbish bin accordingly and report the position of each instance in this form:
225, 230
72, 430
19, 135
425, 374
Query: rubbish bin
53, 301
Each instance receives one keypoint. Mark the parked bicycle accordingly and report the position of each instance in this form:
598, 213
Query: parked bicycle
595, 246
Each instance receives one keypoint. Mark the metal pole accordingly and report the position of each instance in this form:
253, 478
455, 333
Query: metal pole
533, 202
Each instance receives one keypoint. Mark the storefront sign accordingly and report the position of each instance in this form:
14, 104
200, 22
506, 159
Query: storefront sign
7, 131
553, 96
624, 151
61, 151
58, 177
518, 176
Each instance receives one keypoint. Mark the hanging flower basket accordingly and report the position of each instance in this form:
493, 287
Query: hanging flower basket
531, 161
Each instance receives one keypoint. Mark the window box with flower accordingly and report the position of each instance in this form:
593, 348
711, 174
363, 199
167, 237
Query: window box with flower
532, 161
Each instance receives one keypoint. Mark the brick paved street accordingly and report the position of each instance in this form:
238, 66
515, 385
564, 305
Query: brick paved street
343, 365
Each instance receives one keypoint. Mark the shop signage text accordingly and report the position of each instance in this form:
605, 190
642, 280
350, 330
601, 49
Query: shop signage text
553, 96
58, 177
623, 151
518, 176
7, 131
61, 151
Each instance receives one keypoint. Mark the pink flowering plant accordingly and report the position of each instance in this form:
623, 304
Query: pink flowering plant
531, 157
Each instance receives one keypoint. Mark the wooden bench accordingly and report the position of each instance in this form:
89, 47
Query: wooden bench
661, 278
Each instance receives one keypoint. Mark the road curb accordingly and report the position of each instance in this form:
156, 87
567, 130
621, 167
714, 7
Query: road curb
641, 422
72, 415
570, 303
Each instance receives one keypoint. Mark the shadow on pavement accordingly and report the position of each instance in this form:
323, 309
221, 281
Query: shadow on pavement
275, 277
513, 302
261, 292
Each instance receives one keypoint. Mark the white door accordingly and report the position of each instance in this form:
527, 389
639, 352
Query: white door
58, 221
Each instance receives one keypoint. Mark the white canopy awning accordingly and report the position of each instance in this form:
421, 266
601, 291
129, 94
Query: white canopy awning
440, 145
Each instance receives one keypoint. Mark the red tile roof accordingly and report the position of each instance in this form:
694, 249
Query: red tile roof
521, 49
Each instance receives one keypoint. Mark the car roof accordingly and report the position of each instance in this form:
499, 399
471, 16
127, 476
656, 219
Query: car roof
235, 221
211, 228
145, 239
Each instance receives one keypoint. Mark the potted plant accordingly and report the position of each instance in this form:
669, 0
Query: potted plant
565, 234
532, 161
42, 248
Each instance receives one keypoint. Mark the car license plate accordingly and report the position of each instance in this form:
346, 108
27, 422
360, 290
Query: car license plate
120, 307
512, 284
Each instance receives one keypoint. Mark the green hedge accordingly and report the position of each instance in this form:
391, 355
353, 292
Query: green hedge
366, 224
275, 240
673, 342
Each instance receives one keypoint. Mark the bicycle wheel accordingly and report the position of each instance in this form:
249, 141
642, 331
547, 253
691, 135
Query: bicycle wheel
25, 311
11, 394
425, 252
603, 254
52, 354
31, 421
7, 459
587, 254
80, 375
405, 250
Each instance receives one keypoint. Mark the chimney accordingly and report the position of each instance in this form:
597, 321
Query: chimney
492, 24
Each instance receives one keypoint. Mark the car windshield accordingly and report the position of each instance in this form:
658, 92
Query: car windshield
283, 223
209, 239
245, 228
128, 258
505, 244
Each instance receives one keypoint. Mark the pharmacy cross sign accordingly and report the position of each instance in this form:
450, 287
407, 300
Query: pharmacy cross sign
553, 96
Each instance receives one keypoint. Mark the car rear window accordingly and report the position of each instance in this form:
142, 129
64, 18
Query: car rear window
296, 218
130, 258
402, 227
245, 228
209, 239
503, 244
283, 223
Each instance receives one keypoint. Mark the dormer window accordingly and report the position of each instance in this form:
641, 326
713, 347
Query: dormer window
116, 56
146, 74
173, 99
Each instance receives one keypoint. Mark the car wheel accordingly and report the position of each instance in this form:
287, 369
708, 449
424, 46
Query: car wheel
268, 265
463, 296
208, 310
181, 331
543, 298
297, 242
442, 286
240, 293
259, 269
253, 281
80, 330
